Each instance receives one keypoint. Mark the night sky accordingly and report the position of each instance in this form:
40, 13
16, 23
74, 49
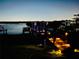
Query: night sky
37, 10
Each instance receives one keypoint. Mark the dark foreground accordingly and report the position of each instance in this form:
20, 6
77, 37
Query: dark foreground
15, 52
20, 47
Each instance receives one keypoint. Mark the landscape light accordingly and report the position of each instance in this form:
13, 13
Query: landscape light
66, 34
76, 50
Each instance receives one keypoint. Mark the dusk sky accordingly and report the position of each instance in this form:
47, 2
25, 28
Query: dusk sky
37, 10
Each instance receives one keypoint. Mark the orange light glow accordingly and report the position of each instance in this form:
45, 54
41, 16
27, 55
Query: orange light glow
57, 38
60, 44
66, 45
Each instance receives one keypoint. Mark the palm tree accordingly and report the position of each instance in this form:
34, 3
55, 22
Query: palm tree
76, 14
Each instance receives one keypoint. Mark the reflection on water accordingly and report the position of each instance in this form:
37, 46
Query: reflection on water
13, 28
